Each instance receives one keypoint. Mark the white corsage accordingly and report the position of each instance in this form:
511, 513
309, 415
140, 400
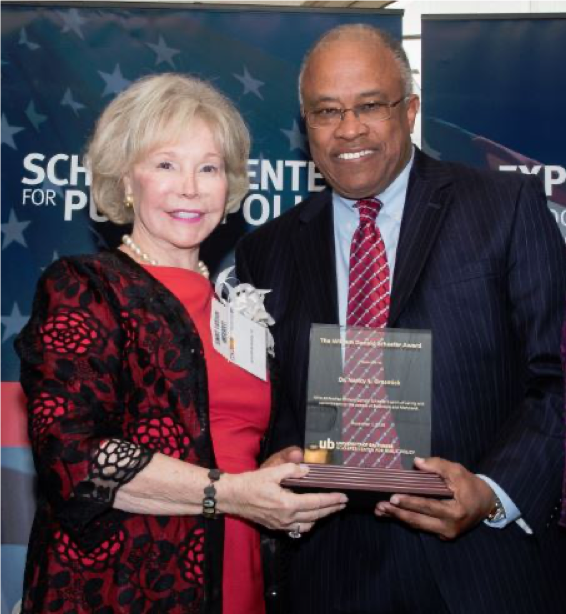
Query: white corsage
248, 301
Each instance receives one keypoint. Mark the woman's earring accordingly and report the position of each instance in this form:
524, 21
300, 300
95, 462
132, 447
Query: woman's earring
129, 201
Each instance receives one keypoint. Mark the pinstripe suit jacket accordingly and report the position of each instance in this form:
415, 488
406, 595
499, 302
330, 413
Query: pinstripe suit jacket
480, 263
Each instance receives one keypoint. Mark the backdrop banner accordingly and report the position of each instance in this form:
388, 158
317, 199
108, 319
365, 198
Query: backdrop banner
61, 65
494, 90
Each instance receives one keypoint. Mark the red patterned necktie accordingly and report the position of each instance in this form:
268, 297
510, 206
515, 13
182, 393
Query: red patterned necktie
368, 421
368, 293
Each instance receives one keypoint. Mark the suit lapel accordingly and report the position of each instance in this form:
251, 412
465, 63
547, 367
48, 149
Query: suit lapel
428, 197
313, 247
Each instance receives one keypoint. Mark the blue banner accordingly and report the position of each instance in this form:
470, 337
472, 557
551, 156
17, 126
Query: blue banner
494, 94
60, 66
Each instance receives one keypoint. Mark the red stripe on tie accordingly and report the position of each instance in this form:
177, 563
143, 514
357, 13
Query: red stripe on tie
14, 416
367, 423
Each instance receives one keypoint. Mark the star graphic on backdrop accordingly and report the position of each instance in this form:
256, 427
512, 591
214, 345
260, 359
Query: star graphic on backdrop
297, 139
250, 84
115, 82
34, 117
14, 231
8, 132
24, 40
72, 22
164, 53
13, 323
69, 101
100, 241
55, 257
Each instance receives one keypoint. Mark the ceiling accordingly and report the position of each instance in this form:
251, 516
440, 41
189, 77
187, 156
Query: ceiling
358, 4
347, 4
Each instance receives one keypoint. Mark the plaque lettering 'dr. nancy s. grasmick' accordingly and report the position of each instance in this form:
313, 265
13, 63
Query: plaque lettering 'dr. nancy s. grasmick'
369, 410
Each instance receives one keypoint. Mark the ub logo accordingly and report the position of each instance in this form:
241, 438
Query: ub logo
326, 444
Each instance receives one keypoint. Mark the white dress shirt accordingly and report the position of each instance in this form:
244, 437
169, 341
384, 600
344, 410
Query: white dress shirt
346, 220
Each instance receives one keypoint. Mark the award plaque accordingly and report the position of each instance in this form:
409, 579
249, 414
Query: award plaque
369, 411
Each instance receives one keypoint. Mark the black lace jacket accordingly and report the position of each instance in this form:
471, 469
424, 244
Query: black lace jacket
114, 371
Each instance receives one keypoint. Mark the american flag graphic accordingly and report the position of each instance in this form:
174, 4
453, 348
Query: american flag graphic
61, 65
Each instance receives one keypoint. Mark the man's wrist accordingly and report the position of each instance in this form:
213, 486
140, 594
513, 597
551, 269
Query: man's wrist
512, 513
497, 512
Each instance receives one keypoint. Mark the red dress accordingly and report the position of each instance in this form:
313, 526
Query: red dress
115, 371
239, 413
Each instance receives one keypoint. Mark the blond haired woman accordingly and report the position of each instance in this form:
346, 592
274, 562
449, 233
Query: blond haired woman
145, 439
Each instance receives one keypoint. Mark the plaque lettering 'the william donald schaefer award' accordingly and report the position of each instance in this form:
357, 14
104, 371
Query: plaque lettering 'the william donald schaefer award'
369, 410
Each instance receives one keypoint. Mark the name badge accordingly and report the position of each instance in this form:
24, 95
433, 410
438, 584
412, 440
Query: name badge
239, 339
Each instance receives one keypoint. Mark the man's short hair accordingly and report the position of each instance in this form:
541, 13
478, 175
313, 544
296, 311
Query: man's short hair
355, 32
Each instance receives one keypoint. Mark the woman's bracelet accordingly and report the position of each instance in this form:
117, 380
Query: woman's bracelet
209, 501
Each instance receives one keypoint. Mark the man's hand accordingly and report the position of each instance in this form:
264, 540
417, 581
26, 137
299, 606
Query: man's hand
292, 454
448, 518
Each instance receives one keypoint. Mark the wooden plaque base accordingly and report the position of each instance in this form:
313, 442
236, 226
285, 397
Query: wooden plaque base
341, 478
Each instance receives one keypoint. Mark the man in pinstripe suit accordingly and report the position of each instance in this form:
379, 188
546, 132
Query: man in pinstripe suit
475, 257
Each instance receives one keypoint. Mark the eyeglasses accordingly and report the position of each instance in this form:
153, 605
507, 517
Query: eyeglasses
366, 113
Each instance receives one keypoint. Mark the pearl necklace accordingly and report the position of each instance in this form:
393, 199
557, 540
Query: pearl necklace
129, 243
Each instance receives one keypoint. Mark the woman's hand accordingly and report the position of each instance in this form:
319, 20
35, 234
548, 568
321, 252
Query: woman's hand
258, 496
292, 454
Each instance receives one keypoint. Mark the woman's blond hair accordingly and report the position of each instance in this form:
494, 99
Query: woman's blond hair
151, 112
